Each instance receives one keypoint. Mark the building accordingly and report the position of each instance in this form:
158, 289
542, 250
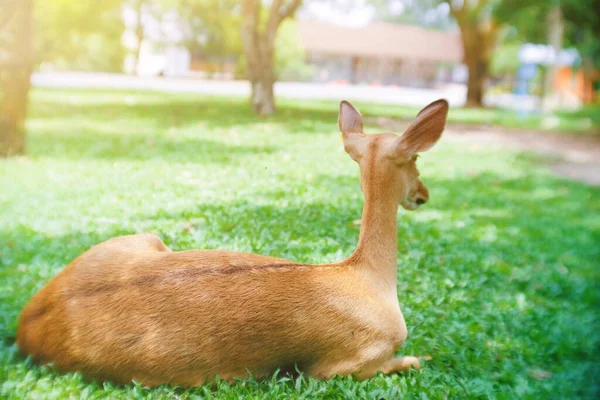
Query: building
382, 53
376, 54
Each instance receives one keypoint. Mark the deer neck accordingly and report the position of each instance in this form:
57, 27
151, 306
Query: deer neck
378, 241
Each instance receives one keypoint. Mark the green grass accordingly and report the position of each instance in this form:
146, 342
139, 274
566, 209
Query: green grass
588, 118
498, 274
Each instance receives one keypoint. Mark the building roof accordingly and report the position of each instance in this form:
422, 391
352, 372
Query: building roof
381, 40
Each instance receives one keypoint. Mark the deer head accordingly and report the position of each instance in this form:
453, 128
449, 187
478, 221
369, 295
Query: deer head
387, 161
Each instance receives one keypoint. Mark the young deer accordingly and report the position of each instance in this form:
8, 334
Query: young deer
130, 309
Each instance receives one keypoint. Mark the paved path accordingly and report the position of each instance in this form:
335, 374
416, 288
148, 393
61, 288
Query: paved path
417, 97
455, 94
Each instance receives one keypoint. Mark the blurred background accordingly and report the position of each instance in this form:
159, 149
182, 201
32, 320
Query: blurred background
530, 57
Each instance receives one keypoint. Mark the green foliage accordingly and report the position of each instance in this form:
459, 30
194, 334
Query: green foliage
82, 35
290, 57
583, 27
581, 21
505, 59
498, 274
213, 27
429, 13
523, 19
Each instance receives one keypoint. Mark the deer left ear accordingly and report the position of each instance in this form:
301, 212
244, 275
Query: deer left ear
349, 119
350, 122
426, 130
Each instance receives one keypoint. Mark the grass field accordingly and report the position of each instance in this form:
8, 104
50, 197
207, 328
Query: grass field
498, 273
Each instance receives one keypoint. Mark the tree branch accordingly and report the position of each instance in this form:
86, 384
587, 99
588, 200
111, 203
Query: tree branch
457, 13
291, 9
277, 15
480, 4
251, 15
274, 17
9, 11
249, 30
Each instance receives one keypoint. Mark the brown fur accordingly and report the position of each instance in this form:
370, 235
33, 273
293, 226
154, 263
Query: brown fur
129, 308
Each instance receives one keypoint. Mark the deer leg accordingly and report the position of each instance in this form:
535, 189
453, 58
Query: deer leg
396, 364
400, 364
364, 370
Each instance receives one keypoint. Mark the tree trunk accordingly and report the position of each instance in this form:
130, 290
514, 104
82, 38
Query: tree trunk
262, 97
478, 45
478, 74
262, 79
15, 78
259, 49
555, 26
479, 36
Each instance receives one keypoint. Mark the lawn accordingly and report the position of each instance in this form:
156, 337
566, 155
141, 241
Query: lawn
497, 275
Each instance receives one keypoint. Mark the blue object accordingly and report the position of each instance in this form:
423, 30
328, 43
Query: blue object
527, 72
521, 87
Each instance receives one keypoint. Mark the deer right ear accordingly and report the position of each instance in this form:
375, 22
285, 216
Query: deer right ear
351, 125
426, 130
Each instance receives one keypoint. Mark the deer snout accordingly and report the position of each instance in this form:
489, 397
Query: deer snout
422, 194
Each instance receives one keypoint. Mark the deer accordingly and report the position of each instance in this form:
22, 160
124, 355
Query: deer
130, 309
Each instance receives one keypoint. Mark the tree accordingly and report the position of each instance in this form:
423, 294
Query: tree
258, 40
479, 32
573, 23
481, 23
555, 33
478, 27
71, 32
16, 65
582, 30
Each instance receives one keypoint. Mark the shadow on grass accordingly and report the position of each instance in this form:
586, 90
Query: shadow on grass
176, 111
159, 127
93, 144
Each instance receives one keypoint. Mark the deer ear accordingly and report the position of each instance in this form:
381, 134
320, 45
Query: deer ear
349, 119
426, 130
351, 125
